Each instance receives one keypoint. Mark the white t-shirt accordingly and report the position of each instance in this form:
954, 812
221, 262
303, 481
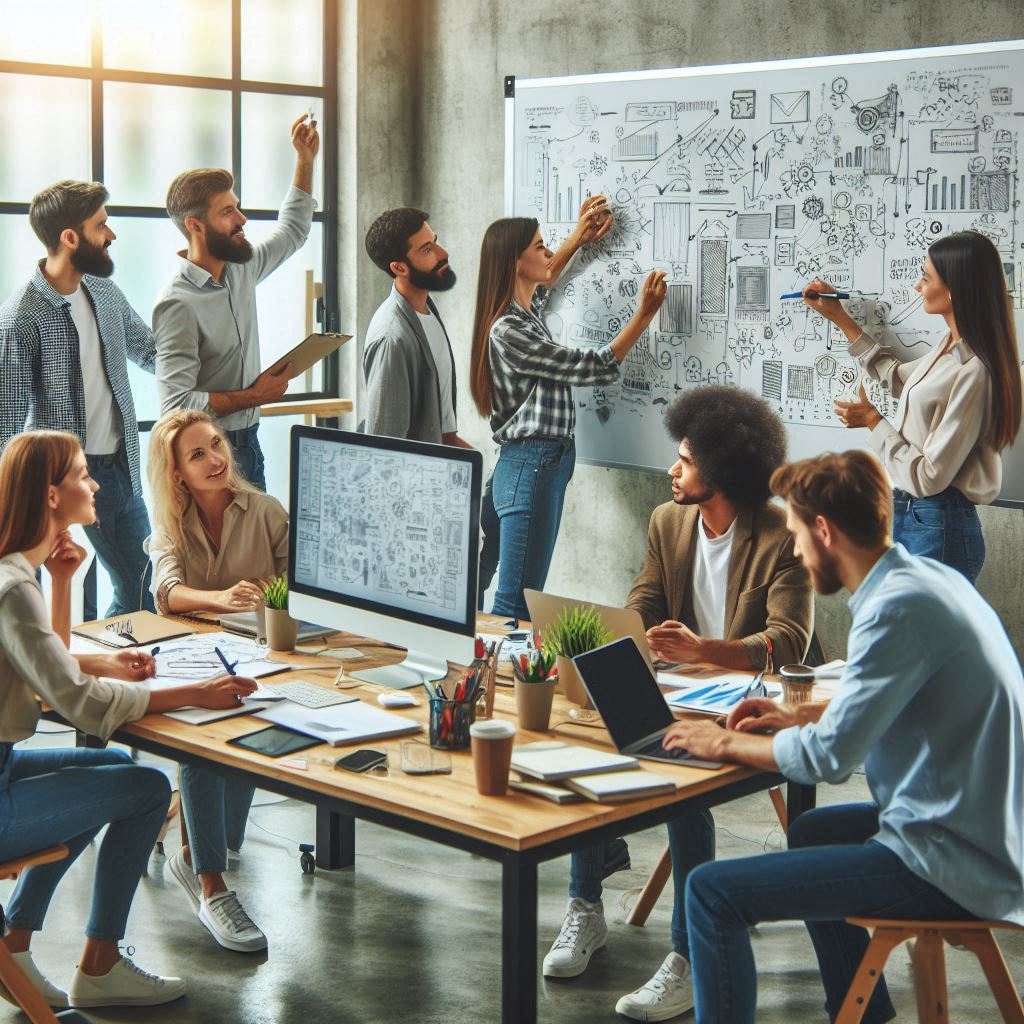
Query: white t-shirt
102, 433
710, 580
443, 361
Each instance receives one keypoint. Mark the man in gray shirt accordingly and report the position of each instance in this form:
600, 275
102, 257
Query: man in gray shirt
207, 339
408, 361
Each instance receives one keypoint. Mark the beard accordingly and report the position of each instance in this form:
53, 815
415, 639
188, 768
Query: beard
436, 280
689, 498
825, 579
226, 248
92, 259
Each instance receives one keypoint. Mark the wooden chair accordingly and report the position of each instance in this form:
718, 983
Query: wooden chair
12, 976
929, 963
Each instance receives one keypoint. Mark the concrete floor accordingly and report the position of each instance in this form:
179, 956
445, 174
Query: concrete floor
412, 933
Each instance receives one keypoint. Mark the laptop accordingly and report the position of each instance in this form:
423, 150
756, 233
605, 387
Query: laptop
620, 622
624, 690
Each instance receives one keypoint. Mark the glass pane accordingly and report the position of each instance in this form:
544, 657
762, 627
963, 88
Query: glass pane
49, 118
154, 132
283, 42
268, 158
20, 250
47, 31
281, 300
144, 259
189, 37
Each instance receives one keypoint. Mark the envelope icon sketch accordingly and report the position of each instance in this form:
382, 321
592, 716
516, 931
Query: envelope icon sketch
791, 107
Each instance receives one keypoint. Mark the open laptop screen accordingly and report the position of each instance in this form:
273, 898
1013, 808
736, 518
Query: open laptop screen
622, 688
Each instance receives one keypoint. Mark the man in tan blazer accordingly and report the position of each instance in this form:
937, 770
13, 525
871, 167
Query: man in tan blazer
720, 584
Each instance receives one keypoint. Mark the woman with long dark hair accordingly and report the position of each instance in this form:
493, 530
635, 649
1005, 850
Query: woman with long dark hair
523, 379
68, 795
961, 403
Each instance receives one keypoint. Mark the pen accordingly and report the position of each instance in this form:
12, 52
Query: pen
224, 661
812, 294
155, 651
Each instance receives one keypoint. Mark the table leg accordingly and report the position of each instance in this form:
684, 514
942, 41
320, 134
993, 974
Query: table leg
518, 940
799, 798
335, 839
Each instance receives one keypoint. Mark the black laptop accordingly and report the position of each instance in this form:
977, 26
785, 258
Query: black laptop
634, 710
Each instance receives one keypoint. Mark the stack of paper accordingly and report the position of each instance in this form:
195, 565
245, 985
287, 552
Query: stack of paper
551, 761
615, 787
340, 723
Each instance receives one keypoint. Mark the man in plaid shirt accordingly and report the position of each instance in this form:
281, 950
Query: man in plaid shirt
65, 337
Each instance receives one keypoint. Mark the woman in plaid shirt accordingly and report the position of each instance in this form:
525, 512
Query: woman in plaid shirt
523, 379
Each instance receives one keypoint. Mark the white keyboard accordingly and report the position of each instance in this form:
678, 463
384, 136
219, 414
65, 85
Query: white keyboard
310, 696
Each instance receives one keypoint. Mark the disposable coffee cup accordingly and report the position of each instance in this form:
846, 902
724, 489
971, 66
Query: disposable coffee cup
797, 683
492, 753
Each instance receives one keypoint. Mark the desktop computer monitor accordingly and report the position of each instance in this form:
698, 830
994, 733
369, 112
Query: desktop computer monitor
384, 541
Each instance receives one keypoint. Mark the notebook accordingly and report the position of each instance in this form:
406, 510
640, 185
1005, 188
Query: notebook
342, 723
616, 787
556, 794
136, 629
550, 761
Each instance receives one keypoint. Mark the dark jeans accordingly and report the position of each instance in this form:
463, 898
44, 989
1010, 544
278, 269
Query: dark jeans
490, 549
944, 527
122, 524
691, 837
832, 870
248, 454
529, 485
67, 796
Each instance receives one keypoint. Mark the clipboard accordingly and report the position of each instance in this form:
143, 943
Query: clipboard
309, 352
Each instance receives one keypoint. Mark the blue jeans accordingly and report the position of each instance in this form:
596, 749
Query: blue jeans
691, 838
945, 527
832, 870
248, 454
122, 524
529, 490
490, 549
216, 808
67, 796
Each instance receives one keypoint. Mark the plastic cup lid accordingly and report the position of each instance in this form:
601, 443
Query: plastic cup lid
492, 730
797, 673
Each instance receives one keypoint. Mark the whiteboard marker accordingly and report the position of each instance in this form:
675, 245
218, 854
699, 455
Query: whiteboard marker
816, 295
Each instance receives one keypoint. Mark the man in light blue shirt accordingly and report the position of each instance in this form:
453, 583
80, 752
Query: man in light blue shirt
931, 701
207, 339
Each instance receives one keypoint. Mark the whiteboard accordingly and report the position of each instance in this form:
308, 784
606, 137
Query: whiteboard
743, 182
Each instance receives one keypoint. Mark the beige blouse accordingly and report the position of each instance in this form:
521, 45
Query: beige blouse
939, 440
34, 662
253, 545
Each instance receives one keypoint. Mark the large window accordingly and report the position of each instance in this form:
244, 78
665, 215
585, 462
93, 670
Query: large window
132, 92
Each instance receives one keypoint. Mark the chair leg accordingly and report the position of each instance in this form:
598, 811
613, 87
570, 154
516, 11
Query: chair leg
929, 962
882, 943
984, 946
27, 996
779, 803
651, 890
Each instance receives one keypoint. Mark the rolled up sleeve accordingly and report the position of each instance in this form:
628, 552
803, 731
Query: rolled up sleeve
168, 570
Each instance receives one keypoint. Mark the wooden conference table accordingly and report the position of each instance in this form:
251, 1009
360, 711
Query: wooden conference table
518, 831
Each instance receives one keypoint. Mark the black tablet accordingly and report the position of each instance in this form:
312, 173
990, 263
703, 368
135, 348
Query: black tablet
274, 741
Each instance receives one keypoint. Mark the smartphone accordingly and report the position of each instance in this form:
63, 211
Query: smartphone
361, 760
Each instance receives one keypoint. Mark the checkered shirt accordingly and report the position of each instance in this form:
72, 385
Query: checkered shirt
40, 371
532, 376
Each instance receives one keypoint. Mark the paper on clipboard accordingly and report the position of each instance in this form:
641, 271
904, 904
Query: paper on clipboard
308, 353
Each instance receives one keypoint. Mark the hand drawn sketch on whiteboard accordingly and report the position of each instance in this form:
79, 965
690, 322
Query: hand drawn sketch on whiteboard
743, 182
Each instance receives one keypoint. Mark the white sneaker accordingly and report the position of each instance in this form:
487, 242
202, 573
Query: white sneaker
186, 878
668, 994
227, 921
125, 984
56, 997
583, 933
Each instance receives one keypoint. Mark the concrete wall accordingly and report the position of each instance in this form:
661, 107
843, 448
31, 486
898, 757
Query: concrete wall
462, 50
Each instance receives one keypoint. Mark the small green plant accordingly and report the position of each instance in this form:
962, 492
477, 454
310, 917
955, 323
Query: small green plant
576, 631
275, 593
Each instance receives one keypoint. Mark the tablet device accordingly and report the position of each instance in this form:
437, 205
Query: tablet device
274, 741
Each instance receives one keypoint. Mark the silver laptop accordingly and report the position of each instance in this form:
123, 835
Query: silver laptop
625, 691
545, 608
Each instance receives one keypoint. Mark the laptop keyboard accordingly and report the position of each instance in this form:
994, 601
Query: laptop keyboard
655, 748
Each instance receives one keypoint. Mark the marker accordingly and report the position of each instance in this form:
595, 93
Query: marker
816, 295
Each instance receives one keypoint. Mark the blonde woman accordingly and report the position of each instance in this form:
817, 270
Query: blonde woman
67, 796
215, 537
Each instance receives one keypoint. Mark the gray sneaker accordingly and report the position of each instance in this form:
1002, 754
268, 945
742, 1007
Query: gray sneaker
668, 994
227, 921
186, 878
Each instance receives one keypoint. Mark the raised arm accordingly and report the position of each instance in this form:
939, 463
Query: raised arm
595, 221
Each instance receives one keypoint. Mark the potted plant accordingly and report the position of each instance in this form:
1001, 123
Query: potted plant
282, 629
575, 631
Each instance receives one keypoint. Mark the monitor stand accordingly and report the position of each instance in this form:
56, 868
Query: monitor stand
417, 668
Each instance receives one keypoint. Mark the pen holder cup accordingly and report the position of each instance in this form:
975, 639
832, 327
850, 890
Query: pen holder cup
533, 703
449, 723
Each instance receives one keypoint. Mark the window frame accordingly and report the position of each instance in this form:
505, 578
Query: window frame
327, 314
